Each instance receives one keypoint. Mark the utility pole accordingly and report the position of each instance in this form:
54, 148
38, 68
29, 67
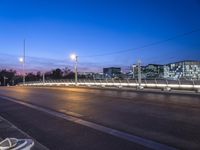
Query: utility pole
43, 78
4, 81
24, 63
133, 69
76, 74
74, 57
139, 73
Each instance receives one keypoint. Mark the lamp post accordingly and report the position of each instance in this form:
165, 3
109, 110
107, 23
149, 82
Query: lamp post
75, 58
4, 80
43, 77
21, 60
133, 67
139, 75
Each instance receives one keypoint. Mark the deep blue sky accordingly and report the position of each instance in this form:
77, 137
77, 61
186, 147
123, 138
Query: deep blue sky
55, 28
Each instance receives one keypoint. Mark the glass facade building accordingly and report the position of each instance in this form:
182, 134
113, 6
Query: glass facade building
183, 70
112, 72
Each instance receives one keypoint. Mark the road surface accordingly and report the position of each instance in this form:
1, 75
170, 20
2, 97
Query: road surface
166, 118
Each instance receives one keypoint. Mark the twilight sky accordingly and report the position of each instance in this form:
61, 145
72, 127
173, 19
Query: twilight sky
54, 29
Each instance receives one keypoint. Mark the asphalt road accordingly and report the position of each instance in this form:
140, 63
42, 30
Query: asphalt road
171, 119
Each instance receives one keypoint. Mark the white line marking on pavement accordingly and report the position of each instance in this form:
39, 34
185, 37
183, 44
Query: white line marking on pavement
135, 139
70, 113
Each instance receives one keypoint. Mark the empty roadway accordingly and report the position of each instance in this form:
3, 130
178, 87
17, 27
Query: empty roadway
168, 118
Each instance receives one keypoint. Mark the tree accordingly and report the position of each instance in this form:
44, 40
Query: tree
57, 74
7, 76
31, 77
68, 74
38, 75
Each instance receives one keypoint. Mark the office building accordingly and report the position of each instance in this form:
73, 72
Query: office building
112, 72
188, 69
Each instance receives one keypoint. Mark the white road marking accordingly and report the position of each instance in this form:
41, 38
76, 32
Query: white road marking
70, 113
135, 139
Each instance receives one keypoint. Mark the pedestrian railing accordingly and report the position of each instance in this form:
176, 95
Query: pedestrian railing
156, 83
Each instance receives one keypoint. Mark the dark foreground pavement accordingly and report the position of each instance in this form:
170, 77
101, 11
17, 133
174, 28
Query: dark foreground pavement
171, 119
59, 134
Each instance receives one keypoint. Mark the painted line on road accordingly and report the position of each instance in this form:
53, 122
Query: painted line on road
70, 113
126, 136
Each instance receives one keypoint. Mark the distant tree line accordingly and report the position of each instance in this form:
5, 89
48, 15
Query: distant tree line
61, 74
10, 77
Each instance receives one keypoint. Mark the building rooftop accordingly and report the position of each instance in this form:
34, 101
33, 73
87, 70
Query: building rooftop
196, 61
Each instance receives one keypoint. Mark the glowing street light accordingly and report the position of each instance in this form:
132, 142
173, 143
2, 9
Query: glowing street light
74, 57
21, 60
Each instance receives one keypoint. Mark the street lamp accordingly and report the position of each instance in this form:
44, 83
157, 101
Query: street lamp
21, 60
74, 57
139, 75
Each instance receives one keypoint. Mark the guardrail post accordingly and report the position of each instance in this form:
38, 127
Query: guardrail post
179, 82
100, 82
120, 86
167, 88
84, 83
113, 81
156, 82
166, 82
127, 80
193, 83
145, 82
95, 82
102, 85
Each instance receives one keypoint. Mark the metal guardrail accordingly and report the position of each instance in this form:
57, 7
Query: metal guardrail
162, 84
